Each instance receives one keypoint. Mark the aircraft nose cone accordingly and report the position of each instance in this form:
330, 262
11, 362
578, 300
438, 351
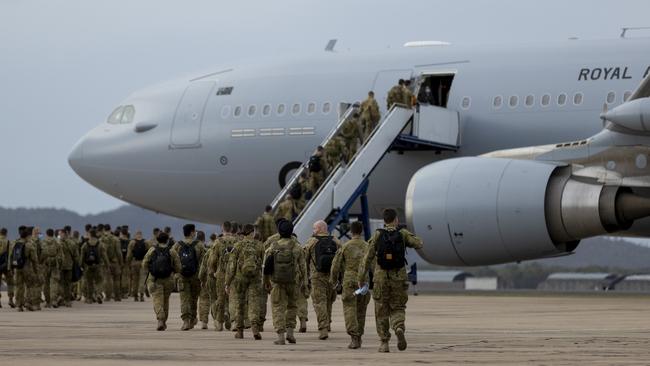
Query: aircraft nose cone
76, 156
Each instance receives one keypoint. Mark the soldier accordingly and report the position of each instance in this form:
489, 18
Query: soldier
70, 259
284, 272
112, 285
125, 239
265, 224
217, 264
138, 248
409, 98
5, 268
190, 252
317, 169
36, 290
395, 95
244, 280
94, 259
345, 268
287, 209
352, 133
204, 295
334, 152
24, 262
320, 250
51, 259
161, 263
387, 251
369, 114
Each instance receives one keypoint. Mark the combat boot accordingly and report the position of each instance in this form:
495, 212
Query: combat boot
239, 334
280, 340
161, 325
186, 325
303, 326
11, 303
354, 342
290, 337
193, 323
227, 323
401, 340
323, 334
383, 347
136, 299
204, 325
256, 333
141, 298
218, 327
99, 299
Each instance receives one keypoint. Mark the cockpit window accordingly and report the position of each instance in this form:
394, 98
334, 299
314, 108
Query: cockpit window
116, 116
122, 114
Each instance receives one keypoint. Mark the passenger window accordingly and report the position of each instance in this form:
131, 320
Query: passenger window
530, 100
266, 110
251, 110
281, 109
237, 111
577, 99
498, 101
225, 111
116, 116
327, 107
627, 96
128, 114
561, 99
465, 103
311, 108
514, 101
546, 100
295, 109
611, 97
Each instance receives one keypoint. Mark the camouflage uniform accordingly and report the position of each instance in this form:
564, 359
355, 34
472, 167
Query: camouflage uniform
408, 97
205, 307
245, 289
125, 269
369, 116
112, 285
322, 293
390, 286
395, 95
265, 225
7, 272
287, 209
217, 264
335, 152
352, 136
161, 288
190, 286
283, 296
51, 260
136, 274
316, 179
70, 256
92, 271
346, 265
27, 278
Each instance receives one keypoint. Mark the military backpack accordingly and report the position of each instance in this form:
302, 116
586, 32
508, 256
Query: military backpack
91, 256
249, 259
3, 261
160, 263
315, 165
139, 250
189, 260
390, 249
284, 269
324, 252
18, 256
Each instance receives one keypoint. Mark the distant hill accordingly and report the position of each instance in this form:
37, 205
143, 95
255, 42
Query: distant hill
137, 219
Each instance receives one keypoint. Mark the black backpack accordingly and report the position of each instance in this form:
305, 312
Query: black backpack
160, 263
296, 191
92, 255
4, 259
189, 262
77, 272
324, 253
18, 256
139, 250
315, 164
124, 247
390, 249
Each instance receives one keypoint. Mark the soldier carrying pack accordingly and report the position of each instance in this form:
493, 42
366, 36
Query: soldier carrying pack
250, 265
18, 256
284, 270
324, 253
189, 261
139, 250
160, 264
390, 249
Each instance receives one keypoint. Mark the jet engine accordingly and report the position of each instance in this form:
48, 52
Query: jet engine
479, 211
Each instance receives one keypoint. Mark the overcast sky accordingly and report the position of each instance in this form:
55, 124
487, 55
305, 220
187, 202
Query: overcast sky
64, 65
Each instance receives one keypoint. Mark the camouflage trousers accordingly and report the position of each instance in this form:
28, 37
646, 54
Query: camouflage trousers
51, 280
189, 288
368, 127
65, 285
301, 304
283, 306
351, 148
92, 282
125, 280
221, 306
136, 278
8, 278
322, 297
204, 303
161, 290
27, 287
315, 180
246, 297
390, 306
354, 309
112, 284
212, 295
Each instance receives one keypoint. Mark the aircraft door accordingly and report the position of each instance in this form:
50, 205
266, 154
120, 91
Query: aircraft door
385, 80
186, 128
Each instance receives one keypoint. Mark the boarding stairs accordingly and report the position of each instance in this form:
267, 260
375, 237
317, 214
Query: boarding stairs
402, 129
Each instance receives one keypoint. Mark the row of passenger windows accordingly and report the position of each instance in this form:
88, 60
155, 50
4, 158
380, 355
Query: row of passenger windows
546, 100
279, 110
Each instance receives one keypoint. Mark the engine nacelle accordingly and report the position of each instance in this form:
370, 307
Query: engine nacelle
479, 211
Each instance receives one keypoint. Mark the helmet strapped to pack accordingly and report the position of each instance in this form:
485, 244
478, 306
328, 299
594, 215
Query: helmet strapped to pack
390, 249
324, 252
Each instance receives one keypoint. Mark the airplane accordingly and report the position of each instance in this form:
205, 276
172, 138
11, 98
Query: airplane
514, 151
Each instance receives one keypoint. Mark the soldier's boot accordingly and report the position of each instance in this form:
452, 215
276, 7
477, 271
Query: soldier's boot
227, 323
256, 333
186, 325
136, 298
354, 343
204, 325
280, 340
20, 308
290, 338
141, 298
323, 334
383, 347
401, 339
161, 325
303, 326
218, 327
239, 334
61, 301
11, 303
99, 299
193, 323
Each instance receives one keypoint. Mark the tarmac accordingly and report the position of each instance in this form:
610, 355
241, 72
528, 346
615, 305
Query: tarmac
444, 329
